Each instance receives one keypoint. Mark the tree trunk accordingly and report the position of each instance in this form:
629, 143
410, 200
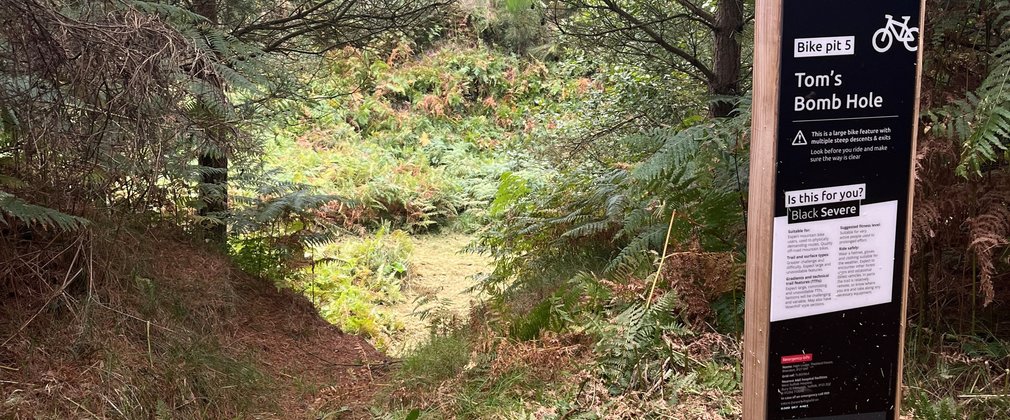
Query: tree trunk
214, 194
214, 178
729, 22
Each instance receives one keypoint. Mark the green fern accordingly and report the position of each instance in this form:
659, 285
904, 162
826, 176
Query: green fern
614, 221
718, 377
275, 223
37, 217
982, 120
282, 207
632, 344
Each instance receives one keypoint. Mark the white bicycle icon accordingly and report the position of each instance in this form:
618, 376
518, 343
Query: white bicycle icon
884, 38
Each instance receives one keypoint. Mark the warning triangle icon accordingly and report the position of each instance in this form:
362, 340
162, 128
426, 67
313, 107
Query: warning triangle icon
800, 140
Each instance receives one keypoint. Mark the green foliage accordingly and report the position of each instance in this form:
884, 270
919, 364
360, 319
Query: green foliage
441, 358
634, 345
352, 280
926, 408
720, 377
729, 312
981, 121
571, 171
37, 217
669, 40
420, 142
529, 326
956, 376
518, 26
516, 6
178, 15
274, 226
574, 244
480, 386
612, 220
506, 395
511, 189
87, 137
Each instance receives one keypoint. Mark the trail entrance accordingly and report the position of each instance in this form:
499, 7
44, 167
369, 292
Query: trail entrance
439, 288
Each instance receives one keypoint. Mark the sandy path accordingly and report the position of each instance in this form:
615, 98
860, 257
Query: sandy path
442, 275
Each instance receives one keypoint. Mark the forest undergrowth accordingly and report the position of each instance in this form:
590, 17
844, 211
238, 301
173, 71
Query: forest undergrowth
145, 338
473, 209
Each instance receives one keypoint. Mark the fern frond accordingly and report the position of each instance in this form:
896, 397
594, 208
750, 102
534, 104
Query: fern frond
636, 253
37, 216
981, 121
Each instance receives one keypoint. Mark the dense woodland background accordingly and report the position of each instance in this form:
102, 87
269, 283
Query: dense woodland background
186, 186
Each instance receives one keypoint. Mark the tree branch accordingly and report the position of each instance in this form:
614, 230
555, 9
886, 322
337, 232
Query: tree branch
701, 13
276, 23
662, 42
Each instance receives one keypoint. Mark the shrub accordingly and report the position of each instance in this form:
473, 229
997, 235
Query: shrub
352, 280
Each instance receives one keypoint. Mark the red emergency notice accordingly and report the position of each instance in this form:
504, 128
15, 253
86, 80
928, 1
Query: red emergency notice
799, 358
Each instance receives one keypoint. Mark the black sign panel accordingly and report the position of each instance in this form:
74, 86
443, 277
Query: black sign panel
845, 133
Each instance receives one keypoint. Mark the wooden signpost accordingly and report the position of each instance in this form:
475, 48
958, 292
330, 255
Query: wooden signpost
836, 89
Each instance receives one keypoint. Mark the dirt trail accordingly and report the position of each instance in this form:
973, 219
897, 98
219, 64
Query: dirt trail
310, 368
443, 273
150, 346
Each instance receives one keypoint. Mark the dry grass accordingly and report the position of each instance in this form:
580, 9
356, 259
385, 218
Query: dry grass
172, 329
494, 377
548, 359
700, 278
438, 288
